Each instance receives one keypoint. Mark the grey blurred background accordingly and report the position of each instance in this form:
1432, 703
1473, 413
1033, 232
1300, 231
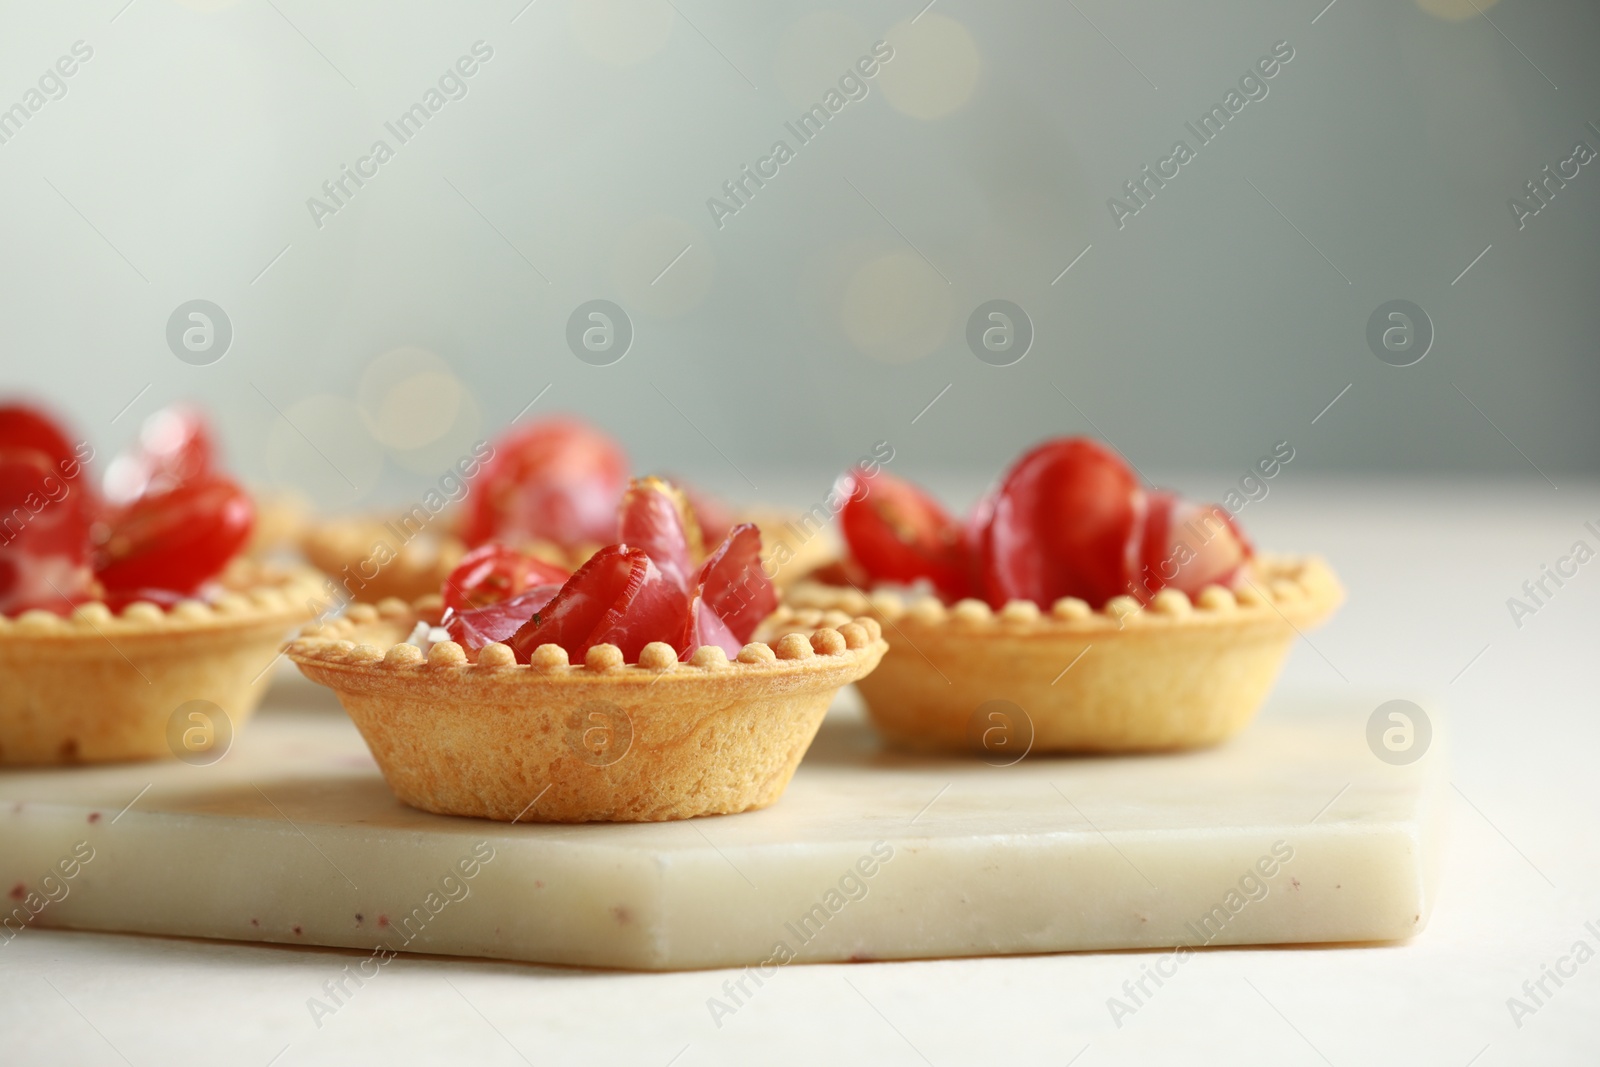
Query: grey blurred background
373, 344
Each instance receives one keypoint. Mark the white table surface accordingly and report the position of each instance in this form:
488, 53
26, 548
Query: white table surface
1428, 567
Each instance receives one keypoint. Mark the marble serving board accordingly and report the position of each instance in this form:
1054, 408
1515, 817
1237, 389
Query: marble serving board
1292, 833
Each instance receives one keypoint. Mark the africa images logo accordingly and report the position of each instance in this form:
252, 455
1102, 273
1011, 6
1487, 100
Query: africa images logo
452, 85
1252, 887
851, 887
853, 86
51, 85
1252, 86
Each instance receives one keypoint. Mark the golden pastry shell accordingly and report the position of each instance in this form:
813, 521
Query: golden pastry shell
1177, 673
552, 741
95, 686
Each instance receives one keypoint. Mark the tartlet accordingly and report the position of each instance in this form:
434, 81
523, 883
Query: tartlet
97, 686
1074, 609
548, 487
604, 741
131, 617
1176, 673
374, 559
282, 519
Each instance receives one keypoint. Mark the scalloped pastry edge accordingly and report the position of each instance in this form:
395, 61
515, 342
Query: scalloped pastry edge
257, 594
1278, 586
334, 642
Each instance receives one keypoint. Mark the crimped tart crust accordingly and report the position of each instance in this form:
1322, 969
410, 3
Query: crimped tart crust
604, 741
281, 522
1175, 674
376, 559
97, 687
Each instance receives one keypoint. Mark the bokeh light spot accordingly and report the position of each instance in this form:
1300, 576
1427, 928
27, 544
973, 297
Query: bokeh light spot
935, 66
896, 308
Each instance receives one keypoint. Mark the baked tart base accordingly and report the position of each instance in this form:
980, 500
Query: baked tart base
1176, 674
376, 559
94, 687
597, 742
282, 519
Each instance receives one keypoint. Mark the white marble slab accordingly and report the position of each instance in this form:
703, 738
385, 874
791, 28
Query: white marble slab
1293, 833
